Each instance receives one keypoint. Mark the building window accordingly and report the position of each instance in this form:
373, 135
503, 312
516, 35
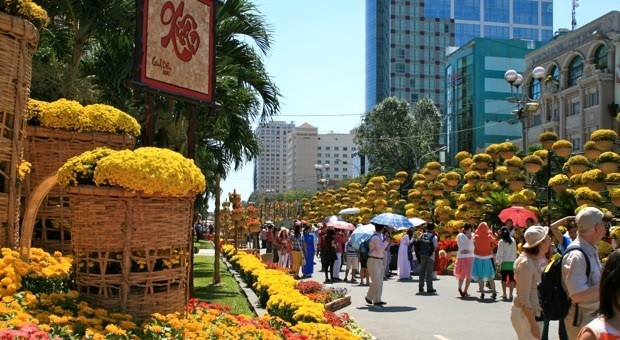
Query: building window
576, 143
318, 155
535, 89
525, 12
497, 10
593, 100
554, 72
600, 58
327, 148
575, 108
400, 68
575, 70
318, 147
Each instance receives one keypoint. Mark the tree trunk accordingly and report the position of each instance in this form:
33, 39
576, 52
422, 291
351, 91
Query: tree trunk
216, 240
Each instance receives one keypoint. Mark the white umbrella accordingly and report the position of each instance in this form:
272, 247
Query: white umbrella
349, 211
360, 234
416, 221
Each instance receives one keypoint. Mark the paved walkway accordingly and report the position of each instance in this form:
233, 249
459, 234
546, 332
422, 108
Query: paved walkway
411, 315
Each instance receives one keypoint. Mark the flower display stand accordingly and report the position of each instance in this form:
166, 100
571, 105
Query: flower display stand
338, 304
18, 42
47, 150
131, 251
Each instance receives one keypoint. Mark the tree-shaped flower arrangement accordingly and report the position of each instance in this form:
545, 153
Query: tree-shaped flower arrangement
131, 214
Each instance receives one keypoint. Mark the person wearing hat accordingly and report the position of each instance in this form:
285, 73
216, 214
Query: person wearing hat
583, 289
526, 308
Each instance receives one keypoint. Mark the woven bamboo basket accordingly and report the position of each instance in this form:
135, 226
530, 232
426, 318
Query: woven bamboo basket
18, 41
131, 251
47, 150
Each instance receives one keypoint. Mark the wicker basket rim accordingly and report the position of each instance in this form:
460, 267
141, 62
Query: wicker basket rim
114, 191
39, 131
19, 27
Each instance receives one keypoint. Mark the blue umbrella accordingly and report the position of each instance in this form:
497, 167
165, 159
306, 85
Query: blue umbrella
392, 220
360, 234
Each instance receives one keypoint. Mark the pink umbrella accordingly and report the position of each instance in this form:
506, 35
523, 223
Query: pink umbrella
341, 225
518, 215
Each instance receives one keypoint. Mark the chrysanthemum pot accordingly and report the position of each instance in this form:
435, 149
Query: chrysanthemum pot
563, 152
604, 145
547, 144
559, 188
516, 185
608, 167
138, 245
532, 167
615, 201
578, 168
507, 154
592, 154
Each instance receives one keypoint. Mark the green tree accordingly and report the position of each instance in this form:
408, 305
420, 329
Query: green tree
394, 137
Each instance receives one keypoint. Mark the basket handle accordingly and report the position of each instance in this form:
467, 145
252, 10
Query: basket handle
32, 209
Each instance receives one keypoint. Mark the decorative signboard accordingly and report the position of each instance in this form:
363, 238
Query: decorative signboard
175, 48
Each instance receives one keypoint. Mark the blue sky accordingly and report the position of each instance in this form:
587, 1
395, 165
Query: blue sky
317, 62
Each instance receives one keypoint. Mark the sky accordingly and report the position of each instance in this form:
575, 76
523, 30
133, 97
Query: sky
317, 61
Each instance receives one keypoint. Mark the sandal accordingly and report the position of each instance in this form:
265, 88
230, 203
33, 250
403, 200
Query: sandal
461, 292
494, 295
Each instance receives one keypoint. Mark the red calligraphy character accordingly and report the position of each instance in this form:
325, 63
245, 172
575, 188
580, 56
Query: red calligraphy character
185, 39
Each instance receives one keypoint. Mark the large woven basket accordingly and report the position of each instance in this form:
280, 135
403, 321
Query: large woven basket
18, 41
122, 245
47, 150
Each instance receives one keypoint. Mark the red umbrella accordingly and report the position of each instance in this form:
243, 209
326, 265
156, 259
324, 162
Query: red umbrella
518, 215
341, 225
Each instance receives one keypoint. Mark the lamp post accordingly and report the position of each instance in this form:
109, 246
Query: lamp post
525, 105
322, 176
347, 162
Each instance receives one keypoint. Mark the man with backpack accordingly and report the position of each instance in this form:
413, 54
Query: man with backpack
425, 252
581, 270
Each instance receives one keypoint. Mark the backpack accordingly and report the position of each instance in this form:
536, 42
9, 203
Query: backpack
424, 245
365, 246
553, 298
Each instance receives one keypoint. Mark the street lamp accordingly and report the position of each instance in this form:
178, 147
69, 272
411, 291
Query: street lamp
347, 162
322, 175
526, 106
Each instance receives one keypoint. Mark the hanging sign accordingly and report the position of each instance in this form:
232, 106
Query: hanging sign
175, 51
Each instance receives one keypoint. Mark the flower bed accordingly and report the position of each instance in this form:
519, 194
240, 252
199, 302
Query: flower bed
61, 314
277, 292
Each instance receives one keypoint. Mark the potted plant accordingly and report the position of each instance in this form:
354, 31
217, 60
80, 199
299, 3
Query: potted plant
576, 181
507, 150
604, 139
547, 139
513, 164
516, 181
608, 162
401, 176
543, 155
472, 177
590, 150
139, 201
578, 164
453, 178
434, 167
482, 160
492, 151
437, 188
614, 194
612, 180
587, 196
466, 164
532, 163
461, 155
594, 179
562, 147
501, 173
559, 183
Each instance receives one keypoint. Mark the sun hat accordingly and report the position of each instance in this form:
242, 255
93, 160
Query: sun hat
534, 235
588, 217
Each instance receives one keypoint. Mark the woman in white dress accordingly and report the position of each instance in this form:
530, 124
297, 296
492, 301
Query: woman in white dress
404, 260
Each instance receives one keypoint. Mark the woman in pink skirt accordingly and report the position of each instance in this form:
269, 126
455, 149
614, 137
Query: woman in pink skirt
464, 258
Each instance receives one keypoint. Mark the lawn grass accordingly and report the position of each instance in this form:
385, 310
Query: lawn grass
204, 244
228, 293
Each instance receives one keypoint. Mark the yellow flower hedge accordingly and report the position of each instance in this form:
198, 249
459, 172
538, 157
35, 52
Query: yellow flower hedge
148, 170
71, 115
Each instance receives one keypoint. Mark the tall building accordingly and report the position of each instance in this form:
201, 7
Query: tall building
406, 40
477, 113
314, 160
270, 166
580, 91
290, 153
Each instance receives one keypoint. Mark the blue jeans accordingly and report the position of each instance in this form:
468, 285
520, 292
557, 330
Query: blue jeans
426, 272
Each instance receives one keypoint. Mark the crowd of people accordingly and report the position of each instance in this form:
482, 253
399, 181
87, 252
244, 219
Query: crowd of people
519, 255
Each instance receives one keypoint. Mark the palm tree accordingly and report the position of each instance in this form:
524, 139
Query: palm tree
497, 201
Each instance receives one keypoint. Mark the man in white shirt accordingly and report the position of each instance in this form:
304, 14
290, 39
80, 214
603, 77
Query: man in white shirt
375, 266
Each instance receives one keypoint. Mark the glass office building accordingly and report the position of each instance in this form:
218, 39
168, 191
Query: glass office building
406, 41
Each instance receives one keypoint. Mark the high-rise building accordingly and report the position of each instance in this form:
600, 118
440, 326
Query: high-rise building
477, 112
270, 166
406, 40
290, 153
